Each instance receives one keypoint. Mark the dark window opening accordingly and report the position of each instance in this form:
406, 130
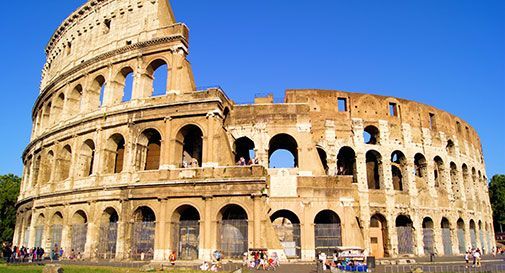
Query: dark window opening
342, 104
393, 109
283, 152
346, 161
190, 146
432, 121
371, 135
372, 169
323, 158
106, 24
244, 152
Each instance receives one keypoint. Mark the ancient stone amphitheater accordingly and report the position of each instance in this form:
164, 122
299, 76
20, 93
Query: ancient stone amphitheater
121, 166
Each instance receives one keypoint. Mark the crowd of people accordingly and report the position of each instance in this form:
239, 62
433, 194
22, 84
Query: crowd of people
329, 262
260, 260
14, 254
243, 162
215, 264
473, 254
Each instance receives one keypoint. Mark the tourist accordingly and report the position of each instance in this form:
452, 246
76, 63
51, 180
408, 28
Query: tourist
172, 258
477, 256
205, 266
467, 259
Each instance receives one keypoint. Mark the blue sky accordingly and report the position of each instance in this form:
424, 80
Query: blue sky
446, 53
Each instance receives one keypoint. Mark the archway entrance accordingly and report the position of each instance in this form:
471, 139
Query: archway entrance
186, 232
446, 236
56, 231
108, 234
287, 227
327, 232
189, 146
378, 236
428, 236
143, 230
233, 231
79, 232
461, 236
404, 230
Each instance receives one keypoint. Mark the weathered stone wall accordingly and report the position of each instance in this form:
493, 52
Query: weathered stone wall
94, 155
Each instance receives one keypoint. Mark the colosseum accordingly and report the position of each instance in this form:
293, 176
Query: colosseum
121, 166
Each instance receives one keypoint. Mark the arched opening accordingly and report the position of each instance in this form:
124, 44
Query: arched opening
287, 228
461, 236
405, 232
86, 159
233, 231
446, 236
97, 90
244, 151
438, 171
47, 167
27, 222
373, 165
39, 230
428, 236
346, 161
324, 159
371, 135
143, 231
36, 169
481, 238
379, 239
158, 72
149, 150
186, 232
398, 169
58, 104
46, 115
473, 234
124, 80
327, 232
421, 166
65, 162
189, 146
114, 154
108, 234
79, 232
466, 182
283, 152
450, 148
455, 181
56, 231
74, 101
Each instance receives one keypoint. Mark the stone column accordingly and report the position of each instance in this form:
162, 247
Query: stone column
162, 246
257, 217
166, 149
308, 229
206, 230
418, 235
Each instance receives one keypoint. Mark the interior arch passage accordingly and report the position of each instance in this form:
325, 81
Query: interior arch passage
233, 231
186, 232
287, 228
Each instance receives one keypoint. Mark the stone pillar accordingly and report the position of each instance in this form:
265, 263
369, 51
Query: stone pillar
166, 152
162, 245
93, 233
418, 235
392, 235
308, 228
257, 217
206, 230
123, 247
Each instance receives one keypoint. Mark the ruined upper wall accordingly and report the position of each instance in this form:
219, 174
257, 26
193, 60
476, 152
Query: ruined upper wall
102, 26
371, 109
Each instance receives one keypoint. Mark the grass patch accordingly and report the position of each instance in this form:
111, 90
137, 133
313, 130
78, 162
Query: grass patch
75, 269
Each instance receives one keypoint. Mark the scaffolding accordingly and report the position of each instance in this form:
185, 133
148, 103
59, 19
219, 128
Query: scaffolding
428, 236
143, 241
405, 240
289, 236
233, 236
186, 238
447, 241
108, 241
79, 234
56, 231
328, 237
39, 231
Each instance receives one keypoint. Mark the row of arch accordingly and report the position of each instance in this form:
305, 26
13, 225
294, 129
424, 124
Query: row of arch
104, 92
232, 237
371, 136
399, 169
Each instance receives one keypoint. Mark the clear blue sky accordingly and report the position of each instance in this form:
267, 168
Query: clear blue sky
446, 53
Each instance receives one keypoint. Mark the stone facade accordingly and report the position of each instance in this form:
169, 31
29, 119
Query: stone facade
115, 170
